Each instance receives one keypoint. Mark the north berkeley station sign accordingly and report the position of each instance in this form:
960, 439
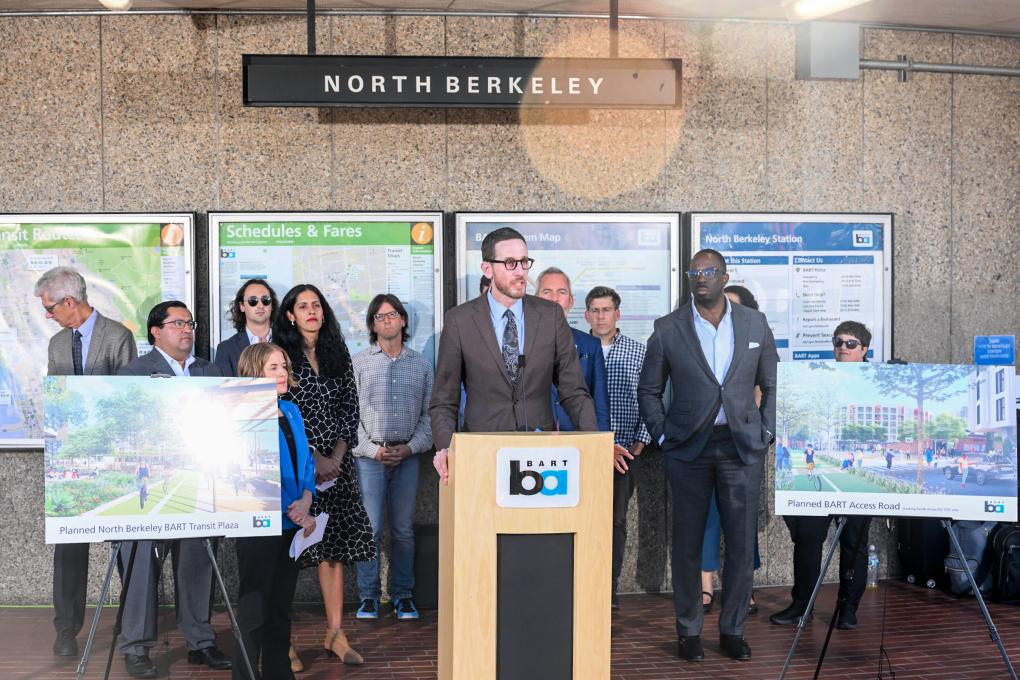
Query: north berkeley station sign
328, 80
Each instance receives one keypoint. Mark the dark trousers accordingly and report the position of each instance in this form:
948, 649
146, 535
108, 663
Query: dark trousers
268, 578
623, 489
70, 581
737, 487
808, 534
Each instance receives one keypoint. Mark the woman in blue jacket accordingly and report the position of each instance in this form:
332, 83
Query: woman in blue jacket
268, 575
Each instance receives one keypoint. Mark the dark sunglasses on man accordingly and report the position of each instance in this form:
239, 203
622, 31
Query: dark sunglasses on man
265, 300
850, 344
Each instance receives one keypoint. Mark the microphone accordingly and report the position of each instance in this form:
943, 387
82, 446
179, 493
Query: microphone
522, 362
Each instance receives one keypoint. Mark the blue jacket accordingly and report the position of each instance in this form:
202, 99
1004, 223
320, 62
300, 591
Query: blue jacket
293, 483
593, 368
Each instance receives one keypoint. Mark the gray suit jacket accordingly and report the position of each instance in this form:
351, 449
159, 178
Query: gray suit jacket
469, 353
153, 364
674, 353
229, 351
111, 348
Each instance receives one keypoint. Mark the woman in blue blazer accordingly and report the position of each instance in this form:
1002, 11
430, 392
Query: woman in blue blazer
268, 575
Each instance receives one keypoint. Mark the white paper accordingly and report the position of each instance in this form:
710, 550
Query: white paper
302, 542
325, 485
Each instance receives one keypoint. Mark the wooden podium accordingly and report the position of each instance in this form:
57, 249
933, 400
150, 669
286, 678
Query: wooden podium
524, 588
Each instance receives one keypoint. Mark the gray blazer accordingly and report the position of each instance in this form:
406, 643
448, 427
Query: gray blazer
153, 364
111, 348
674, 353
469, 354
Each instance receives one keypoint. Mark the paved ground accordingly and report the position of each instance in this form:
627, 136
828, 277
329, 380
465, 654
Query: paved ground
928, 635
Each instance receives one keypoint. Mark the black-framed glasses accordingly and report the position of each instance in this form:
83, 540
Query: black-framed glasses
49, 308
850, 344
181, 324
511, 264
387, 315
707, 272
265, 300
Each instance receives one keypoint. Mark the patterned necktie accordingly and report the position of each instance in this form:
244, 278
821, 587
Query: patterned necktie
79, 367
511, 348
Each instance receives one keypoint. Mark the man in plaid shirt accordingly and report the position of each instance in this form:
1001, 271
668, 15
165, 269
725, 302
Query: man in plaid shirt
624, 358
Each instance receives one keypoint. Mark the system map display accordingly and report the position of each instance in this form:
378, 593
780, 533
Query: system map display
636, 254
350, 257
130, 263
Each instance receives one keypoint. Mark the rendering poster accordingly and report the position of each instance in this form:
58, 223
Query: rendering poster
634, 253
137, 458
808, 273
350, 257
896, 440
130, 262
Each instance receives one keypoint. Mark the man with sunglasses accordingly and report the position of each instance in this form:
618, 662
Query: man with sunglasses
508, 349
714, 437
251, 314
850, 342
172, 336
87, 344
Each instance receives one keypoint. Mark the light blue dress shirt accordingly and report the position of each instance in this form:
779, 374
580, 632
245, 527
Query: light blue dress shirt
86, 336
254, 339
717, 346
497, 310
175, 365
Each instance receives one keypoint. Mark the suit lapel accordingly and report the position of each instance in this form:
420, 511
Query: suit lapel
684, 321
98, 332
483, 322
159, 364
740, 334
531, 319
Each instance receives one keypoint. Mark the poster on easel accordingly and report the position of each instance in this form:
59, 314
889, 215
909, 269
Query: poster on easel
896, 440
140, 458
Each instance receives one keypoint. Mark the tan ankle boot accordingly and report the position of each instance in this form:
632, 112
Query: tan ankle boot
295, 661
339, 646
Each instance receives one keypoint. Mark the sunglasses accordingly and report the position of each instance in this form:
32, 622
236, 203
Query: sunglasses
265, 300
707, 272
850, 344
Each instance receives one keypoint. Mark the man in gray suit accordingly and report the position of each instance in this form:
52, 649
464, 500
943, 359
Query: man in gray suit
87, 344
714, 437
172, 335
508, 349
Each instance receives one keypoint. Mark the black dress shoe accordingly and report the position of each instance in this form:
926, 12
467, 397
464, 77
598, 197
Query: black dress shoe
211, 657
139, 666
847, 620
689, 647
735, 647
65, 645
789, 616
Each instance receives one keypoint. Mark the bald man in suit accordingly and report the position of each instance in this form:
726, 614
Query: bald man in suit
87, 344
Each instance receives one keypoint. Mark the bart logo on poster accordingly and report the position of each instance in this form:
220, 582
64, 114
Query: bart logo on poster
538, 477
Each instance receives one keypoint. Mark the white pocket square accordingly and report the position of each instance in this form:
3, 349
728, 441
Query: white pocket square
752, 345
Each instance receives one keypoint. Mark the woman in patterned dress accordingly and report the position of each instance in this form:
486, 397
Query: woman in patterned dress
326, 394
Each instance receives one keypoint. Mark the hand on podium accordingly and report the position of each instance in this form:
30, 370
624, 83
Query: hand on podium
439, 463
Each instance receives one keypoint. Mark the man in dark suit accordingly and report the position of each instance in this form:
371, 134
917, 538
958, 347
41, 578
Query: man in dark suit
554, 285
172, 335
251, 314
714, 437
87, 344
508, 349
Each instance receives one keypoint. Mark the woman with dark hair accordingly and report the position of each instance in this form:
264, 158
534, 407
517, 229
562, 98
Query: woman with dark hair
326, 394
251, 314
711, 547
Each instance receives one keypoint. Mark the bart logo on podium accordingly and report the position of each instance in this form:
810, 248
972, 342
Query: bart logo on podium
538, 477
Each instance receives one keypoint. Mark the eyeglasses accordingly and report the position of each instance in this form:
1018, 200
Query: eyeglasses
265, 300
707, 272
386, 316
180, 324
49, 309
511, 264
850, 344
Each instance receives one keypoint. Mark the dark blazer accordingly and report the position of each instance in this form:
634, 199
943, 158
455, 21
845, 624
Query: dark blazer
674, 353
593, 368
153, 364
469, 353
112, 346
229, 351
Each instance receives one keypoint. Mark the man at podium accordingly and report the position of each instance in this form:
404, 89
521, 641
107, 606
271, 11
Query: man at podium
508, 349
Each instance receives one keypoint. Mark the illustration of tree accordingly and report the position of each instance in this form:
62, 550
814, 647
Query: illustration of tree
127, 416
924, 383
947, 427
62, 407
793, 411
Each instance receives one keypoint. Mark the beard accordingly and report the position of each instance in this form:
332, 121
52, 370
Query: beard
507, 290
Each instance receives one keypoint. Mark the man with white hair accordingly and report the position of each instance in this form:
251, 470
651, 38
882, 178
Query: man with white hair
87, 344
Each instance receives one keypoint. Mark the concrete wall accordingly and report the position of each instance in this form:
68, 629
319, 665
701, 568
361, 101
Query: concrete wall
138, 113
